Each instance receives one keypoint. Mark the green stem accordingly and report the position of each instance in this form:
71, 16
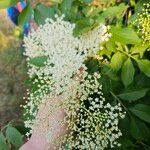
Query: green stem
144, 145
120, 103
129, 55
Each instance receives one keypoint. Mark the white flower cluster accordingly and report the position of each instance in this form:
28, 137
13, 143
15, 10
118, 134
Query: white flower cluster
91, 121
144, 23
91, 41
95, 122
55, 40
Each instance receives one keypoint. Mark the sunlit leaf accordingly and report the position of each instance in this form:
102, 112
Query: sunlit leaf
117, 61
124, 35
114, 11
140, 49
127, 72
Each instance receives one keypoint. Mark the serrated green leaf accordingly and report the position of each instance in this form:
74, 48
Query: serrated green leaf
142, 111
133, 94
38, 61
144, 66
3, 145
117, 61
14, 136
127, 72
7, 3
138, 129
42, 12
25, 15
124, 35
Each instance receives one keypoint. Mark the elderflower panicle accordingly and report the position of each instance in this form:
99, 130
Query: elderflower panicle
55, 41
95, 124
144, 23
63, 76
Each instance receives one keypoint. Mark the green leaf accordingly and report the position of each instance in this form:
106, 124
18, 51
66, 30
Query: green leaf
107, 71
38, 61
92, 65
7, 3
14, 136
144, 66
138, 129
91, 11
133, 94
25, 15
87, 1
42, 12
124, 35
124, 126
139, 49
125, 142
105, 81
3, 145
110, 45
83, 25
117, 61
66, 6
142, 111
127, 72
132, 2
142, 81
114, 11
72, 14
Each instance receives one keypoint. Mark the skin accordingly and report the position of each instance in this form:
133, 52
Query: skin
38, 140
